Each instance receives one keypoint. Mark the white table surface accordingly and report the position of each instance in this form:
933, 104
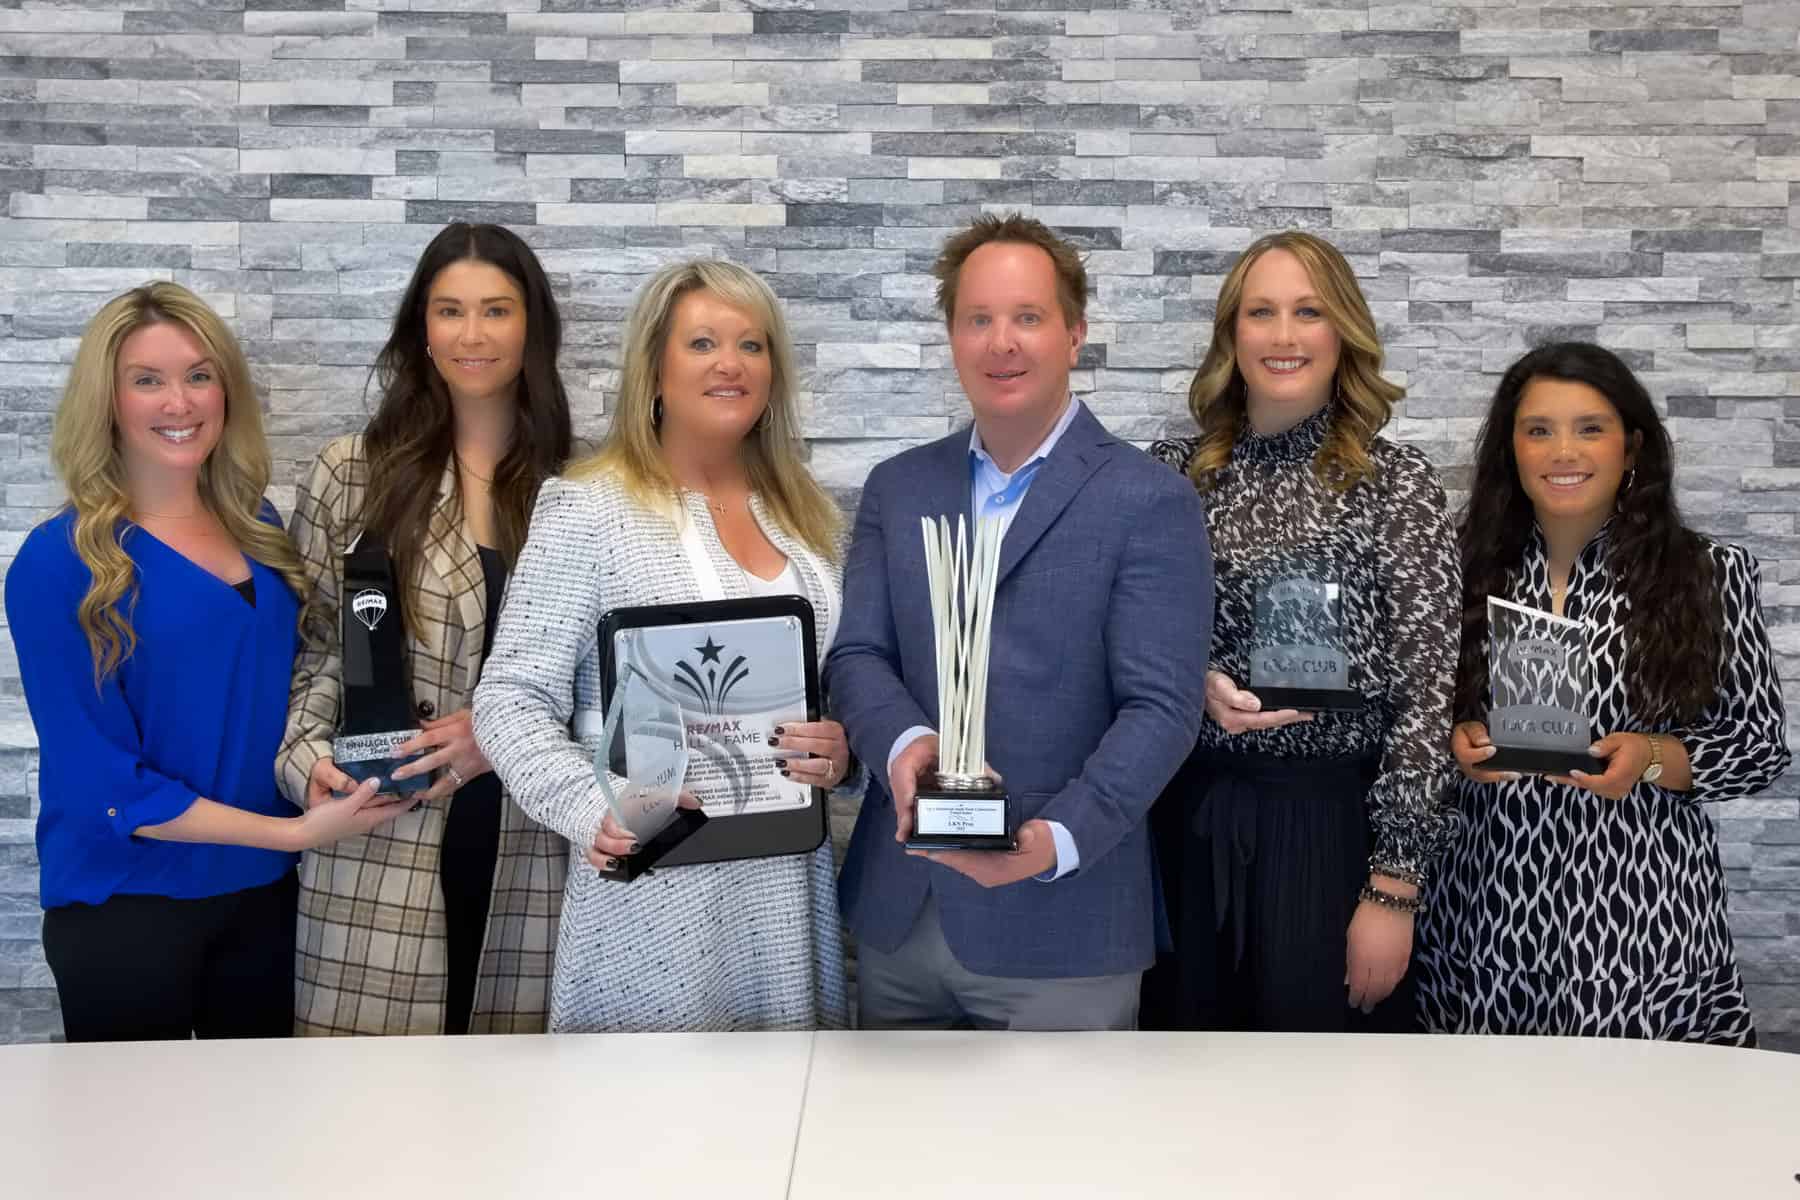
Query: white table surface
833, 1116
1184, 1116
648, 1115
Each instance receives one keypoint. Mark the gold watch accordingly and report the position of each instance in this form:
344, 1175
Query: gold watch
1653, 771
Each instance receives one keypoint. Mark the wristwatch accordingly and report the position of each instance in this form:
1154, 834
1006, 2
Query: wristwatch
1653, 771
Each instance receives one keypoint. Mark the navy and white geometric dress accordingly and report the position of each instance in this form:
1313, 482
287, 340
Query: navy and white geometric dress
1557, 911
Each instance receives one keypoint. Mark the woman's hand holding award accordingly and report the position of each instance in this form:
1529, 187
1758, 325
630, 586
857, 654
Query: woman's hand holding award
654, 731
961, 806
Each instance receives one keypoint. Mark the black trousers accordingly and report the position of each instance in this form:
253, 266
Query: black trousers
466, 872
1261, 861
143, 968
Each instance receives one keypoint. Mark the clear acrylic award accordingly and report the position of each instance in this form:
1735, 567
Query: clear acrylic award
646, 731
1299, 657
1538, 682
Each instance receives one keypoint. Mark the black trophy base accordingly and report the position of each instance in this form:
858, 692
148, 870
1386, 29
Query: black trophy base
687, 822
364, 756
1540, 760
962, 818
1274, 699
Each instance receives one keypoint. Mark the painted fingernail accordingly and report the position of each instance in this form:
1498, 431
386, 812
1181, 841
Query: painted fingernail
775, 741
634, 848
612, 864
781, 763
781, 729
787, 775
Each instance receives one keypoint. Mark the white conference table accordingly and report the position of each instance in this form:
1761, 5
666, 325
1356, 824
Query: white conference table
836, 1115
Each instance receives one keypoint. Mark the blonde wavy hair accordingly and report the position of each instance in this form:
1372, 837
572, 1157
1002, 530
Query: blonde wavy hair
1365, 401
632, 449
84, 447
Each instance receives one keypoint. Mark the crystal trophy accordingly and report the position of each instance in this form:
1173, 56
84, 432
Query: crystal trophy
1538, 682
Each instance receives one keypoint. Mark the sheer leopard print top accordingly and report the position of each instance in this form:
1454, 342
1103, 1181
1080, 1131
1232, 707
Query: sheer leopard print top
1387, 540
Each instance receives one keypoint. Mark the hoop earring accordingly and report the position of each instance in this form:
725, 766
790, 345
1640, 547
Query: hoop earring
762, 422
428, 352
656, 412
1630, 479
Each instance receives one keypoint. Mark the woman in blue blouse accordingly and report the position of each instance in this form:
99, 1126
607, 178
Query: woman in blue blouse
156, 623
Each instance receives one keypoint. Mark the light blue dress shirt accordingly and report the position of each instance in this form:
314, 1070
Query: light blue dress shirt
997, 494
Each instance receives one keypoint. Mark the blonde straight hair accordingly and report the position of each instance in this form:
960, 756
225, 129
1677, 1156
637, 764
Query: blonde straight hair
632, 449
84, 446
1218, 398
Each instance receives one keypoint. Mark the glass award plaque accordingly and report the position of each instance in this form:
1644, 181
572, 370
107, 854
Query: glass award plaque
377, 711
713, 679
1538, 684
646, 735
1299, 657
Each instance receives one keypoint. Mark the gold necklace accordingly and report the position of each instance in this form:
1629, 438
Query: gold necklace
463, 466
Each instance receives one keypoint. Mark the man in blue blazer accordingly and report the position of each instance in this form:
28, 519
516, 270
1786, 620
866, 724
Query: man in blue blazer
1103, 615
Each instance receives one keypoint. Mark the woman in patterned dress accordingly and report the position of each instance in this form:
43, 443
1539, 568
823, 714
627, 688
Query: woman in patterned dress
1594, 903
698, 493
441, 922
1293, 844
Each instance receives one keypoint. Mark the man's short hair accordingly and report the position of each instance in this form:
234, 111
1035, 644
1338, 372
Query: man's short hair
1071, 276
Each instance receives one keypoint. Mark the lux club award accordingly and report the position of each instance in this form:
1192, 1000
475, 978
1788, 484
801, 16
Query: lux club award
1538, 680
1299, 657
960, 806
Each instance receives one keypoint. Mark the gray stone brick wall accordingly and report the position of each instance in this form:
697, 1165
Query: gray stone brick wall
1498, 173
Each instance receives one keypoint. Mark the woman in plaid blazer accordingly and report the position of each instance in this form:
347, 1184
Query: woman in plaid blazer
442, 921
698, 493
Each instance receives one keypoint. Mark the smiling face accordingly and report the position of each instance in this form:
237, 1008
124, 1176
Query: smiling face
1572, 450
168, 401
1287, 349
1012, 346
715, 371
475, 329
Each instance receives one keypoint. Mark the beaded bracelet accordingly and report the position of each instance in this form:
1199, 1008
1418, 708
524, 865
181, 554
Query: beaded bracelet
1375, 895
1401, 874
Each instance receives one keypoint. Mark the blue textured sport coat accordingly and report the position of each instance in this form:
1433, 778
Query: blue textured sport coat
1103, 617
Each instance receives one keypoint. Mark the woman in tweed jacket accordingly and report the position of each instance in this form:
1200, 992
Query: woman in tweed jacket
697, 493
442, 921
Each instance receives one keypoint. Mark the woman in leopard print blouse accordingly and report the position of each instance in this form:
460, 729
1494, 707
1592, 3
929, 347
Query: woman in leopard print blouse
1595, 903
1281, 820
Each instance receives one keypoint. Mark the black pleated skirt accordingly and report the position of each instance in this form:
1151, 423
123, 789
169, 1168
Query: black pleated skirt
1261, 859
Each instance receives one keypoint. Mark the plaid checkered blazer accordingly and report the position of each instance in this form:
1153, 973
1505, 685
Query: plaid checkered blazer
372, 949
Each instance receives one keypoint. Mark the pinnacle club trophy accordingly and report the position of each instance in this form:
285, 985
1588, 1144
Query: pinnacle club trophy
960, 806
1538, 680
377, 711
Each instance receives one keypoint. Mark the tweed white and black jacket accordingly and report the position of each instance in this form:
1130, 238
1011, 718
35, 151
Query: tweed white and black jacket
721, 946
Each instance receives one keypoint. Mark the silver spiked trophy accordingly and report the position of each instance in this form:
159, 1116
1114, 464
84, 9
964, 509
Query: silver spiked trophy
960, 806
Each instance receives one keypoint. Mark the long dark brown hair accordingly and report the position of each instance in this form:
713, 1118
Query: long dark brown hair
1673, 630
412, 436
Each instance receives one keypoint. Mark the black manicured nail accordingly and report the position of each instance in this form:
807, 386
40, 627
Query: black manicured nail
774, 741
786, 775
634, 848
781, 729
612, 864
781, 762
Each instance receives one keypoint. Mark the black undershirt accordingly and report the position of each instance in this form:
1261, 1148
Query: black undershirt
471, 848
